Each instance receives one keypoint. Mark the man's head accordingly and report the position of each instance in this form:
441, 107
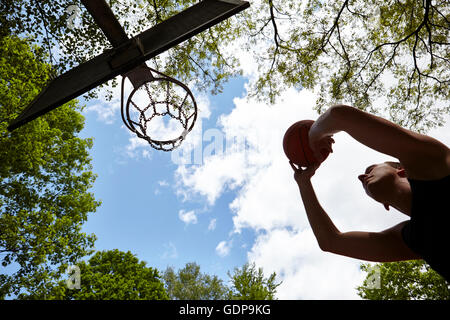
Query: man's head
380, 181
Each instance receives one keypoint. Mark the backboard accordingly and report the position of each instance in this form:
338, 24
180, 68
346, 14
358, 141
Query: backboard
127, 54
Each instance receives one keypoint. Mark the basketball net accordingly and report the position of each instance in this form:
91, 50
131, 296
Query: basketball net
159, 109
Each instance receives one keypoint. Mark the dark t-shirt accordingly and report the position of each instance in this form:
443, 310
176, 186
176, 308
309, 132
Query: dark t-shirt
428, 231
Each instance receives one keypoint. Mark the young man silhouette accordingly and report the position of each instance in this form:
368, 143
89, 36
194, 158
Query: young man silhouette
418, 186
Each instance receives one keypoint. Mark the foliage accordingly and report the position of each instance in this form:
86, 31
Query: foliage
75, 36
356, 51
45, 176
110, 275
405, 280
351, 51
247, 283
190, 284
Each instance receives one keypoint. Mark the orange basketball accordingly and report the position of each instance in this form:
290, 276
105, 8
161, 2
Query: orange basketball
296, 144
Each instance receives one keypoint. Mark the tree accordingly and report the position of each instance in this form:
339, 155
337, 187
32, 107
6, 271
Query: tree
110, 275
45, 176
358, 51
249, 283
67, 28
190, 284
405, 280
246, 283
347, 50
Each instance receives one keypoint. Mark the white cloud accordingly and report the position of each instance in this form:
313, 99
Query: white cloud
226, 173
170, 251
223, 248
187, 217
305, 271
212, 224
106, 111
137, 147
163, 183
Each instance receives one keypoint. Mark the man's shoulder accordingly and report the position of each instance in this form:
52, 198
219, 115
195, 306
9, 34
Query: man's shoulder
428, 167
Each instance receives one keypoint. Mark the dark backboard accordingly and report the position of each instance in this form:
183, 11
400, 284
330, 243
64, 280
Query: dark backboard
129, 54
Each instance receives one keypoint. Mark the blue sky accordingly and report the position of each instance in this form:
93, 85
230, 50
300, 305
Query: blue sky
140, 209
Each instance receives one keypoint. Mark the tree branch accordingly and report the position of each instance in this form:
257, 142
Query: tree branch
158, 17
329, 33
275, 28
415, 32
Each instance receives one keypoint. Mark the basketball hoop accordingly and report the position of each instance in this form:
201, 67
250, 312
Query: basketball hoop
158, 105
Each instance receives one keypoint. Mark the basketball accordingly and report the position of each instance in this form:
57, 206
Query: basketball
296, 146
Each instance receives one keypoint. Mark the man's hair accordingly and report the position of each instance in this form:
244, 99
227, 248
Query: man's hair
395, 165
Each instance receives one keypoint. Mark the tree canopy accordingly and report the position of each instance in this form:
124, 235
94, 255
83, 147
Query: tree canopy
348, 50
405, 280
45, 176
249, 283
111, 275
246, 283
189, 283
358, 51
76, 37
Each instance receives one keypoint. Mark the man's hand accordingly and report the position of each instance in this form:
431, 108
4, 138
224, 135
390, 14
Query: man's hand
303, 175
321, 147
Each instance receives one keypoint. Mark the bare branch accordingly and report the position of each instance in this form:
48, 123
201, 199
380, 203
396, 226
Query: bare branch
330, 31
430, 42
440, 13
275, 28
415, 32
261, 29
357, 13
382, 68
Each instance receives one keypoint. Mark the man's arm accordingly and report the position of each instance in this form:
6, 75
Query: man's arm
384, 246
417, 152
321, 224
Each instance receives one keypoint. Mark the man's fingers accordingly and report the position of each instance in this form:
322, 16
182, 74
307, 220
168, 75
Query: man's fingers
330, 148
293, 166
296, 168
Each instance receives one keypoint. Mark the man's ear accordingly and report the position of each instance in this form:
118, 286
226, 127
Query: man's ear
401, 172
386, 206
